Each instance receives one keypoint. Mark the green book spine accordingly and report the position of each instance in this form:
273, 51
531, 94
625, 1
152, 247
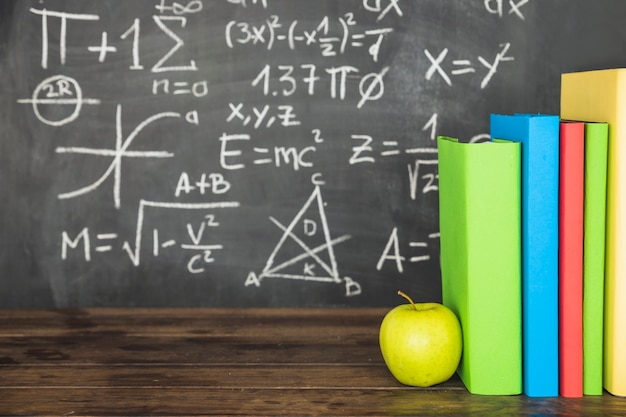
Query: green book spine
596, 151
480, 232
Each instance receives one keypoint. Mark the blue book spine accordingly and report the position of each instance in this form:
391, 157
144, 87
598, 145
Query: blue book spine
539, 135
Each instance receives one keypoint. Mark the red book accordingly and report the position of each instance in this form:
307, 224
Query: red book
571, 203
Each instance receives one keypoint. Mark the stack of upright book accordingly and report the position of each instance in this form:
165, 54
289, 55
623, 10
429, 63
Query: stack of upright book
552, 225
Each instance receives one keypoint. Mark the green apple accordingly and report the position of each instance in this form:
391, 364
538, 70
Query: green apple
421, 343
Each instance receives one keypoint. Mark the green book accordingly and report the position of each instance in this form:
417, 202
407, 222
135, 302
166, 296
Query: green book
480, 232
596, 153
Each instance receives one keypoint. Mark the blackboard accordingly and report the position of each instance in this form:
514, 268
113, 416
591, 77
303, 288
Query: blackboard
256, 152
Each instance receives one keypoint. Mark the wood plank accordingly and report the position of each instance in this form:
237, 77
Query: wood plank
290, 324
102, 348
225, 376
189, 336
86, 318
293, 402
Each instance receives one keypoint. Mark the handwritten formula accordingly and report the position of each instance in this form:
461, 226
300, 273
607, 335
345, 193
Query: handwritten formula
253, 144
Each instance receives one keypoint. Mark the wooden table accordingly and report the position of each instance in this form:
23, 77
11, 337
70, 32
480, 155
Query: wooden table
227, 362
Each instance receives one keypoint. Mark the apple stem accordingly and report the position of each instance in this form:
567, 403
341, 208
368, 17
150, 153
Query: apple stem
401, 294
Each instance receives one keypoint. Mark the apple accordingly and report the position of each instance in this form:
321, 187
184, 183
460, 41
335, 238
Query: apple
421, 343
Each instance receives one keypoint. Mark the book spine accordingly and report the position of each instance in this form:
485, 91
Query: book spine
571, 200
539, 138
596, 149
479, 192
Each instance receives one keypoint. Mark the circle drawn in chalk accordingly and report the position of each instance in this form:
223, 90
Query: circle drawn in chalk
59, 90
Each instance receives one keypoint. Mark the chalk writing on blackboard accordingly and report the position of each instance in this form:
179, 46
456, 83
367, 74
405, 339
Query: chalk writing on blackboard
315, 262
333, 37
393, 253
58, 90
243, 33
501, 8
220, 149
64, 17
465, 66
206, 249
204, 252
117, 154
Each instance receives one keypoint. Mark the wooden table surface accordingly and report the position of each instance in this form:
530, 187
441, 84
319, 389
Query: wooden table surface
126, 362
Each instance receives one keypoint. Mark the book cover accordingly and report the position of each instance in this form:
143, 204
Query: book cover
571, 203
600, 96
479, 192
596, 148
539, 138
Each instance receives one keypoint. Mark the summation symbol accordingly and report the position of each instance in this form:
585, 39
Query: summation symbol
305, 249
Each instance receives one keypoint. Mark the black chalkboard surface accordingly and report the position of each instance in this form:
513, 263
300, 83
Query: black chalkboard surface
256, 152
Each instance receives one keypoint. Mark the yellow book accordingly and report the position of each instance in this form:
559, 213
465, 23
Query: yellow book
600, 96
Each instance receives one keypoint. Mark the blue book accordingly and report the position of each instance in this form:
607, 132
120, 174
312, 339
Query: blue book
539, 135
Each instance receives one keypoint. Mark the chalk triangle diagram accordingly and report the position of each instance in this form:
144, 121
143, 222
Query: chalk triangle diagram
305, 250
